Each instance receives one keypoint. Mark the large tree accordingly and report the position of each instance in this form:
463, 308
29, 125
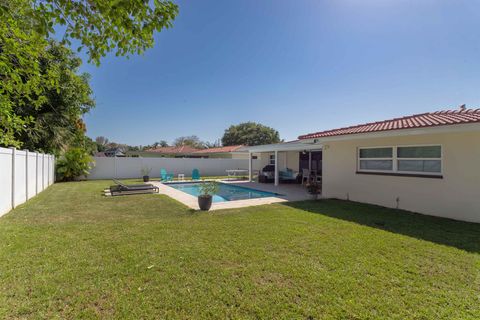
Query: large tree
191, 141
98, 26
102, 143
56, 121
21, 81
161, 143
250, 134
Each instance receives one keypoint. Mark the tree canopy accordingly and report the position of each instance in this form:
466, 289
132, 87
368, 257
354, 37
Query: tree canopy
56, 121
161, 143
42, 96
21, 80
100, 26
191, 141
102, 143
250, 134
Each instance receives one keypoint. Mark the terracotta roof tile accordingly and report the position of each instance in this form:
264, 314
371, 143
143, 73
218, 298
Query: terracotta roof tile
220, 149
423, 120
173, 150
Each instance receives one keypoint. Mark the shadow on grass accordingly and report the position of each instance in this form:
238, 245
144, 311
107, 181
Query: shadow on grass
462, 235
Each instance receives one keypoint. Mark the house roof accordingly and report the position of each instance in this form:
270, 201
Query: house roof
295, 145
423, 120
220, 149
173, 150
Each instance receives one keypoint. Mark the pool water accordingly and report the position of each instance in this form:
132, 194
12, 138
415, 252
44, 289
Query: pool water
226, 192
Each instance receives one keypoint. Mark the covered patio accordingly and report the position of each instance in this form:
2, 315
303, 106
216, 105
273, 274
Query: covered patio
287, 159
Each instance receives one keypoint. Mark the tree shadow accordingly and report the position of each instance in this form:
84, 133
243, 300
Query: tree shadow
458, 234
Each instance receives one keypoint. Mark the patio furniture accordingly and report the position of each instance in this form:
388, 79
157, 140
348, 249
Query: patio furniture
181, 176
305, 176
195, 174
165, 176
267, 174
314, 176
120, 188
288, 175
232, 173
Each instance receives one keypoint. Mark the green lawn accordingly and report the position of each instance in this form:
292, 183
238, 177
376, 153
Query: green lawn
72, 253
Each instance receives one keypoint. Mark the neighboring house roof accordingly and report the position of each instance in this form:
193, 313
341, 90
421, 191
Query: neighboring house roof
114, 152
100, 154
225, 149
173, 150
423, 120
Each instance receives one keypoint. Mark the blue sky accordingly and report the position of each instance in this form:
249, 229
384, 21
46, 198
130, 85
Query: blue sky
298, 66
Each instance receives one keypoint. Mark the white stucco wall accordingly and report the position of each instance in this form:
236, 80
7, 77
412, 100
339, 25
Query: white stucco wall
292, 160
456, 196
261, 161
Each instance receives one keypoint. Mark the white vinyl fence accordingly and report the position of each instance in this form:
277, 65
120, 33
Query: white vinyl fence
23, 175
124, 168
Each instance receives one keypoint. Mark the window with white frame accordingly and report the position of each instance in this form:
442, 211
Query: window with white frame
272, 159
401, 159
422, 159
375, 159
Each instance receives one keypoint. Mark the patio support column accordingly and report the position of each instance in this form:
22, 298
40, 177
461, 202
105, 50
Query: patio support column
309, 162
276, 167
250, 165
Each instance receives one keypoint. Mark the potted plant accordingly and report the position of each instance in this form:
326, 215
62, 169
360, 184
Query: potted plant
314, 189
207, 190
145, 173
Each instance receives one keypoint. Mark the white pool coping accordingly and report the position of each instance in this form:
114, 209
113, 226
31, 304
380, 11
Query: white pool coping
286, 192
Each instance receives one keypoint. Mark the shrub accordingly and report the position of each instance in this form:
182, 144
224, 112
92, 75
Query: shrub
208, 188
74, 163
313, 187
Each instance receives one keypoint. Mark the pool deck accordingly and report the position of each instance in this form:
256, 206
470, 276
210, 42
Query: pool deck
287, 192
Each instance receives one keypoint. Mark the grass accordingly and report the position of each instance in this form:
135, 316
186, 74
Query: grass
72, 253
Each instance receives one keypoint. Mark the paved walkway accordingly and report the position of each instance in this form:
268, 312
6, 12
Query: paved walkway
287, 192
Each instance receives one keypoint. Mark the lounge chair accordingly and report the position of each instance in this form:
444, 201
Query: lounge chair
120, 188
165, 176
195, 174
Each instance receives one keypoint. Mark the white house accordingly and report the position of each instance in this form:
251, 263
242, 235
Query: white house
427, 163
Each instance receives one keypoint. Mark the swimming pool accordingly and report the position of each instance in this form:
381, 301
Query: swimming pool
226, 192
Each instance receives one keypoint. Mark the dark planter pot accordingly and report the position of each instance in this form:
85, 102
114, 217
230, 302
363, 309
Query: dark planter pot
146, 178
205, 202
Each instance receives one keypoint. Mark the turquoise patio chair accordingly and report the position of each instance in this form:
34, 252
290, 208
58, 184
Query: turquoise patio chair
195, 174
165, 176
